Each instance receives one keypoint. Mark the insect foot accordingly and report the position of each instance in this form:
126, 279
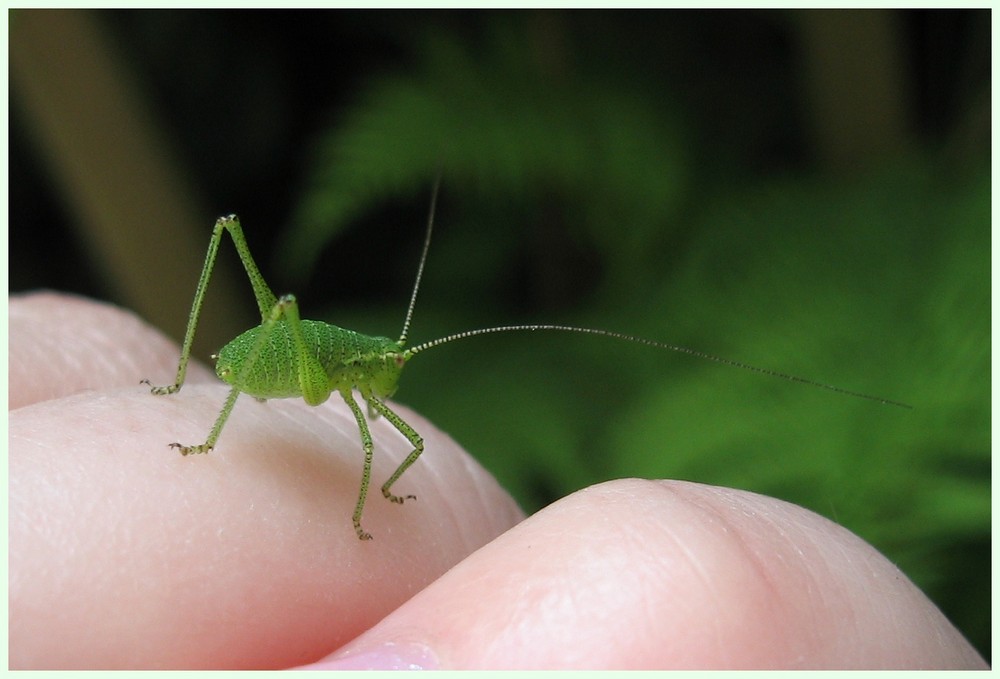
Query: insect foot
191, 450
161, 391
397, 498
362, 534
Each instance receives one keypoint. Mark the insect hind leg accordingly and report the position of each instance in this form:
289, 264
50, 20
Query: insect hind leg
412, 436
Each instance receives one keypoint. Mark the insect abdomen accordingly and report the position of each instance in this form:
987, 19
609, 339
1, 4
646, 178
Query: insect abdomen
350, 359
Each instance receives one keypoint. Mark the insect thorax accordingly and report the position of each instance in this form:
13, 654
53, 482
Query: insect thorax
351, 360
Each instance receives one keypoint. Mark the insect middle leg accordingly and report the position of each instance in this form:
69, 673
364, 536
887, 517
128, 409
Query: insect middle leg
366, 473
367, 444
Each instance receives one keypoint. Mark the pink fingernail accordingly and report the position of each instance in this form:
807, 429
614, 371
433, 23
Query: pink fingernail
386, 657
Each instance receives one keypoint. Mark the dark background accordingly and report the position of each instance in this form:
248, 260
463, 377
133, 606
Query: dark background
804, 190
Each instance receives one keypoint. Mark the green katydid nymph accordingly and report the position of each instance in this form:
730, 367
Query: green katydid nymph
287, 357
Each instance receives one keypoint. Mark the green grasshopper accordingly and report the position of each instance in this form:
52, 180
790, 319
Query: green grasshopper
287, 357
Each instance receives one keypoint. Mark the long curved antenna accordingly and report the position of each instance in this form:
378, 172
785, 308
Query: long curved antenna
659, 345
423, 258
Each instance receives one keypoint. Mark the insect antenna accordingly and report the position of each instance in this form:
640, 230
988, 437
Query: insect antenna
651, 343
423, 258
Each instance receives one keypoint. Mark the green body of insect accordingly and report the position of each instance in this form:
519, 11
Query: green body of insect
345, 360
287, 357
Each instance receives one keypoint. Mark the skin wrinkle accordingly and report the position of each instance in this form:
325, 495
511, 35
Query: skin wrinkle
841, 602
816, 603
452, 499
701, 571
607, 596
768, 571
452, 502
815, 613
541, 605
891, 625
48, 478
539, 599
309, 456
767, 590
316, 455
596, 587
557, 609
656, 593
59, 547
98, 337
40, 528
837, 603
455, 510
66, 345
506, 515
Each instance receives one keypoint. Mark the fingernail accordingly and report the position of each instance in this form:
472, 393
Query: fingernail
385, 657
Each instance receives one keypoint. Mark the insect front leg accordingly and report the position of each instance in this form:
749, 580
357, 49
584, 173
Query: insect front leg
245, 368
412, 436
213, 435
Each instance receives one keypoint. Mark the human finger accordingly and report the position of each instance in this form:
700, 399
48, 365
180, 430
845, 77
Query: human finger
62, 344
659, 575
125, 554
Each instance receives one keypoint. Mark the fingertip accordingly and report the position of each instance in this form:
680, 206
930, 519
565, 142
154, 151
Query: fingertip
637, 574
189, 550
61, 344
390, 656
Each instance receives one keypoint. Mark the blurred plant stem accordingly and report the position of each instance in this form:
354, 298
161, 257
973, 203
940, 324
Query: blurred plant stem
853, 77
135, 211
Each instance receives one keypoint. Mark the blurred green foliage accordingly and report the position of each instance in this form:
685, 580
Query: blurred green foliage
877, 282
650, 173
495, 123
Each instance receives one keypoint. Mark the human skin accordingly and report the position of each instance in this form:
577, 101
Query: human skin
124, 554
